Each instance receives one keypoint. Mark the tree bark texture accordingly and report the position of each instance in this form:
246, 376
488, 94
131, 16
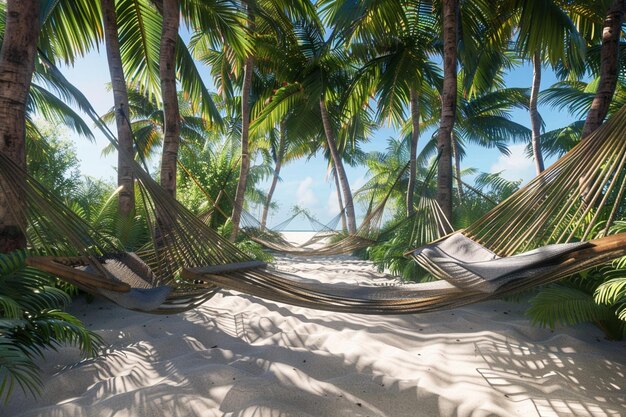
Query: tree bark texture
339, 169
535, 118
448, 107
171, 112
609, 55
342, 212
17, 63
245, 138
415, 134
248, 70
125, 179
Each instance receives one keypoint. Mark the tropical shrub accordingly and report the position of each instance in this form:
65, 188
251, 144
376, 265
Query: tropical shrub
595, 296
32, 320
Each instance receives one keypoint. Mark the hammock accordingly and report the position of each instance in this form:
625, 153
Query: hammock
186, 262
366, 235
506, 250
272, 237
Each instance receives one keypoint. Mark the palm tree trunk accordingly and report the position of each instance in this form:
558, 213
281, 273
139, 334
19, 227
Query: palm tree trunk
245, 157
535, 119
342, 212
248, 69
171, 112
270, 193
608, 67
17, 63
126, 197
457, 167
448, 107
415, 134
280, 154
339, 169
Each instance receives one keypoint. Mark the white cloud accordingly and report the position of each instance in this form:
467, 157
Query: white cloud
515, 166
305, 197
332, 205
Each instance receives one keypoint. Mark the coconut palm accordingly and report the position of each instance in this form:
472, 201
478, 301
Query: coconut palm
171, 112
284, 147
547, 32
576, 98
484, 120
312, 88
20, 39
125, 180
608, 67
398, 71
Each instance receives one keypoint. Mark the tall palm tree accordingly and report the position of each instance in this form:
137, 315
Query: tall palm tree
171, 112
399, 73
312, 86
608, 67
448, 106
547, 33
284, 146
17, 63
125, 179
482, 119
265, 21
248, 69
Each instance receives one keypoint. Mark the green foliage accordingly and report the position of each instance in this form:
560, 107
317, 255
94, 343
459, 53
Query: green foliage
214, 171
32, 321
559, 304
596, 296
53, 162
244, 244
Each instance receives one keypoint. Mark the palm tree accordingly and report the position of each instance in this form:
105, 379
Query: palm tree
265, 21
284, 146
171, 112
248, 69
17, 63
146, 118
312, 86
125, 180
448, 106
399, 73
547, 33
608, 67
576, 98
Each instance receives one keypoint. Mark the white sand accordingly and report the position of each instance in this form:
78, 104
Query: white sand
241, 356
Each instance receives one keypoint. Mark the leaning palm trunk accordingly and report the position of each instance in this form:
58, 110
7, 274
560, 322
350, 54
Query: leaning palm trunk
608, 67
339, 169
270, 194
535, 119
415, 133
342, 212
126, 197
171, 112
245, 157
17, 63
448, 107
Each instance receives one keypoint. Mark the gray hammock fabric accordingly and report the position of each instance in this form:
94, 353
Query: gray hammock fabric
130, 269
469, 265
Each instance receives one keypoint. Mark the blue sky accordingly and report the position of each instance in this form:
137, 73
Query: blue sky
305, 182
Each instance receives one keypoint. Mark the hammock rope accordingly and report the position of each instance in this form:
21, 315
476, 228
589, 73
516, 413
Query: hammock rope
187, 262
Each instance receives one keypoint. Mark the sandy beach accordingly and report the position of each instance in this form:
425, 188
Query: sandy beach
242, 356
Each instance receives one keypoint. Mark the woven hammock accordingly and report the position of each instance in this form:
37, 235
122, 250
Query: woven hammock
187, 262
366, 235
